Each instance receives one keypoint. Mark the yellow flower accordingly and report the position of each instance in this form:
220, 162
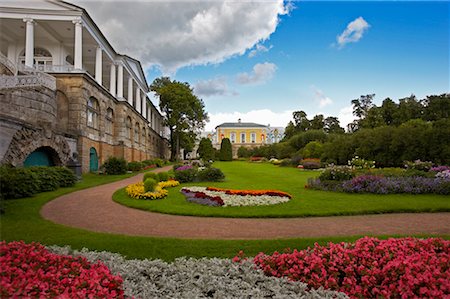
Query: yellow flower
137, 190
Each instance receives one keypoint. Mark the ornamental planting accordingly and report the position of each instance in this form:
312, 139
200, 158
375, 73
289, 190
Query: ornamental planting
137, 190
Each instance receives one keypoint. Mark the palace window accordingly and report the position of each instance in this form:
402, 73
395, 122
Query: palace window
136, 133
109, 121
92, 113
253, 137
242, 137
143, 136
233, 137
128, 128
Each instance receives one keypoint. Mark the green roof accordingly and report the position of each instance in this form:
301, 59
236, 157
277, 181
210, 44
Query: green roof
241, 125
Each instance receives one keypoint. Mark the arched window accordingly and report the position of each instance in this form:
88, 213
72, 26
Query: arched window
128, 128
92, 113
143, 136
136, 133
109, 121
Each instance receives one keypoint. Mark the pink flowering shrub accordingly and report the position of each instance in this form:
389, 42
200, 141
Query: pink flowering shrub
369, 268
29, 270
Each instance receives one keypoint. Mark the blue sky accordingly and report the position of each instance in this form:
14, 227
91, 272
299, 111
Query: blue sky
404, 51
260, 61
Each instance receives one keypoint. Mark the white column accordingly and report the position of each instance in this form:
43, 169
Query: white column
130, 91
78, 55
120, 81
98, 65
144, 107
29, 42
138, 100
112, 80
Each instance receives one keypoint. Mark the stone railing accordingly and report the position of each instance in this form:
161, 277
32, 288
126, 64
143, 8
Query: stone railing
36, 79
47, 68
8, 64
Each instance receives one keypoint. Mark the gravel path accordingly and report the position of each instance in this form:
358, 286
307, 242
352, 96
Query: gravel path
93, 209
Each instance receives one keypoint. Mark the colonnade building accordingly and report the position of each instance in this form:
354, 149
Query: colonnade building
66, 95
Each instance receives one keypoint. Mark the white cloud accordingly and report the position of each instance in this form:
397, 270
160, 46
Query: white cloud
262, 116
321, 98
174, 34
259, 49
353, 33
346, 116
213, 87
262, 72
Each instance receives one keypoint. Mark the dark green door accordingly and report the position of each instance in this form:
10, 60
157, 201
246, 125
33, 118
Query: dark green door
38, 158
93, 160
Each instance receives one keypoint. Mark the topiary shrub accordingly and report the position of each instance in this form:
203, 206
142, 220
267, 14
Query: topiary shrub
17, 182
135, 166
226, 153
163, 176
185, 176
210, 174
150, 184
150, 175
115, 165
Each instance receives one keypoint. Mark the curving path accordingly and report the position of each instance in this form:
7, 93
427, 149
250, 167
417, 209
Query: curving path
93, 209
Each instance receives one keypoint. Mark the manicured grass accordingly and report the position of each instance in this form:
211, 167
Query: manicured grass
245, 175
22, 221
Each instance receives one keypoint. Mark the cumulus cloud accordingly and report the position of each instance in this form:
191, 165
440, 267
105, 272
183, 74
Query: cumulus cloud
262, 72
259, 49
353, 33
174, 34
346, 116
262, 116
213, 87
321, 98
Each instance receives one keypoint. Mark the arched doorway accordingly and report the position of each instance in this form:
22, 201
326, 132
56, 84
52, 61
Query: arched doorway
43, 156
93, 160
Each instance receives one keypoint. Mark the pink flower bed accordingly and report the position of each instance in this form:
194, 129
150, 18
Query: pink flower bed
369, 268
29, 270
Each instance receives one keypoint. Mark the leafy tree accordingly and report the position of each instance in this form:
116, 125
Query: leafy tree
243, 152
373, 119
318, 122
408, 108
388, 111
362, 105
205, 149
184, 113
313, 149
226, 153
331, 125
289, 131
301, 121
437, 107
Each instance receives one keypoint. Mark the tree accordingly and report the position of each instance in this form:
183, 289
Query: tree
331, 125
408, 108
317, 123
362, 105
437, 107
226, 153
388, 110
205, 149
243, 152
184, 113
289, 131
301, 121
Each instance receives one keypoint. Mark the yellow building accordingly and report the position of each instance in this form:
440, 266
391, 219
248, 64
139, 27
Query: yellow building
241, 134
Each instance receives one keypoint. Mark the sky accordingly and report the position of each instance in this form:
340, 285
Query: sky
261, 60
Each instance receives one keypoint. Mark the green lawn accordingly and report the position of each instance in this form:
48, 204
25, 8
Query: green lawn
22, 221
245, 175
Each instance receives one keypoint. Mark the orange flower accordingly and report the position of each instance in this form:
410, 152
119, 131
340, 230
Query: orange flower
250, 192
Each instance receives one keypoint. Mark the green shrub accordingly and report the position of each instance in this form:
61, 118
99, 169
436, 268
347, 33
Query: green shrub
147, 163
151, 175
285, 162
149, 185
66, 177
163, 176
158, 162
47, 178
210, 174
186, 176
134, 166
115, 165
226, 153
243, 152
418, 165
311, 163
17, 182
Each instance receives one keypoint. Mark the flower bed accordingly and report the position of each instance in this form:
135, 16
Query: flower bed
369, 268
228, 197
29, 270
385, 185
138, 191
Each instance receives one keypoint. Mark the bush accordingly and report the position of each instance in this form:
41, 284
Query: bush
311, 163
159, 162
286, 162
226, 153
163, 176
150, 184
47, 178
337, 173
17, 182
243, 152
66, 177
186, 176
418, 165
134, 166
360, 163
210, 174
150, 175
115, 165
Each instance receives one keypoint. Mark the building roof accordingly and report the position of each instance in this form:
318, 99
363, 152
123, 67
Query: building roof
240, 125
